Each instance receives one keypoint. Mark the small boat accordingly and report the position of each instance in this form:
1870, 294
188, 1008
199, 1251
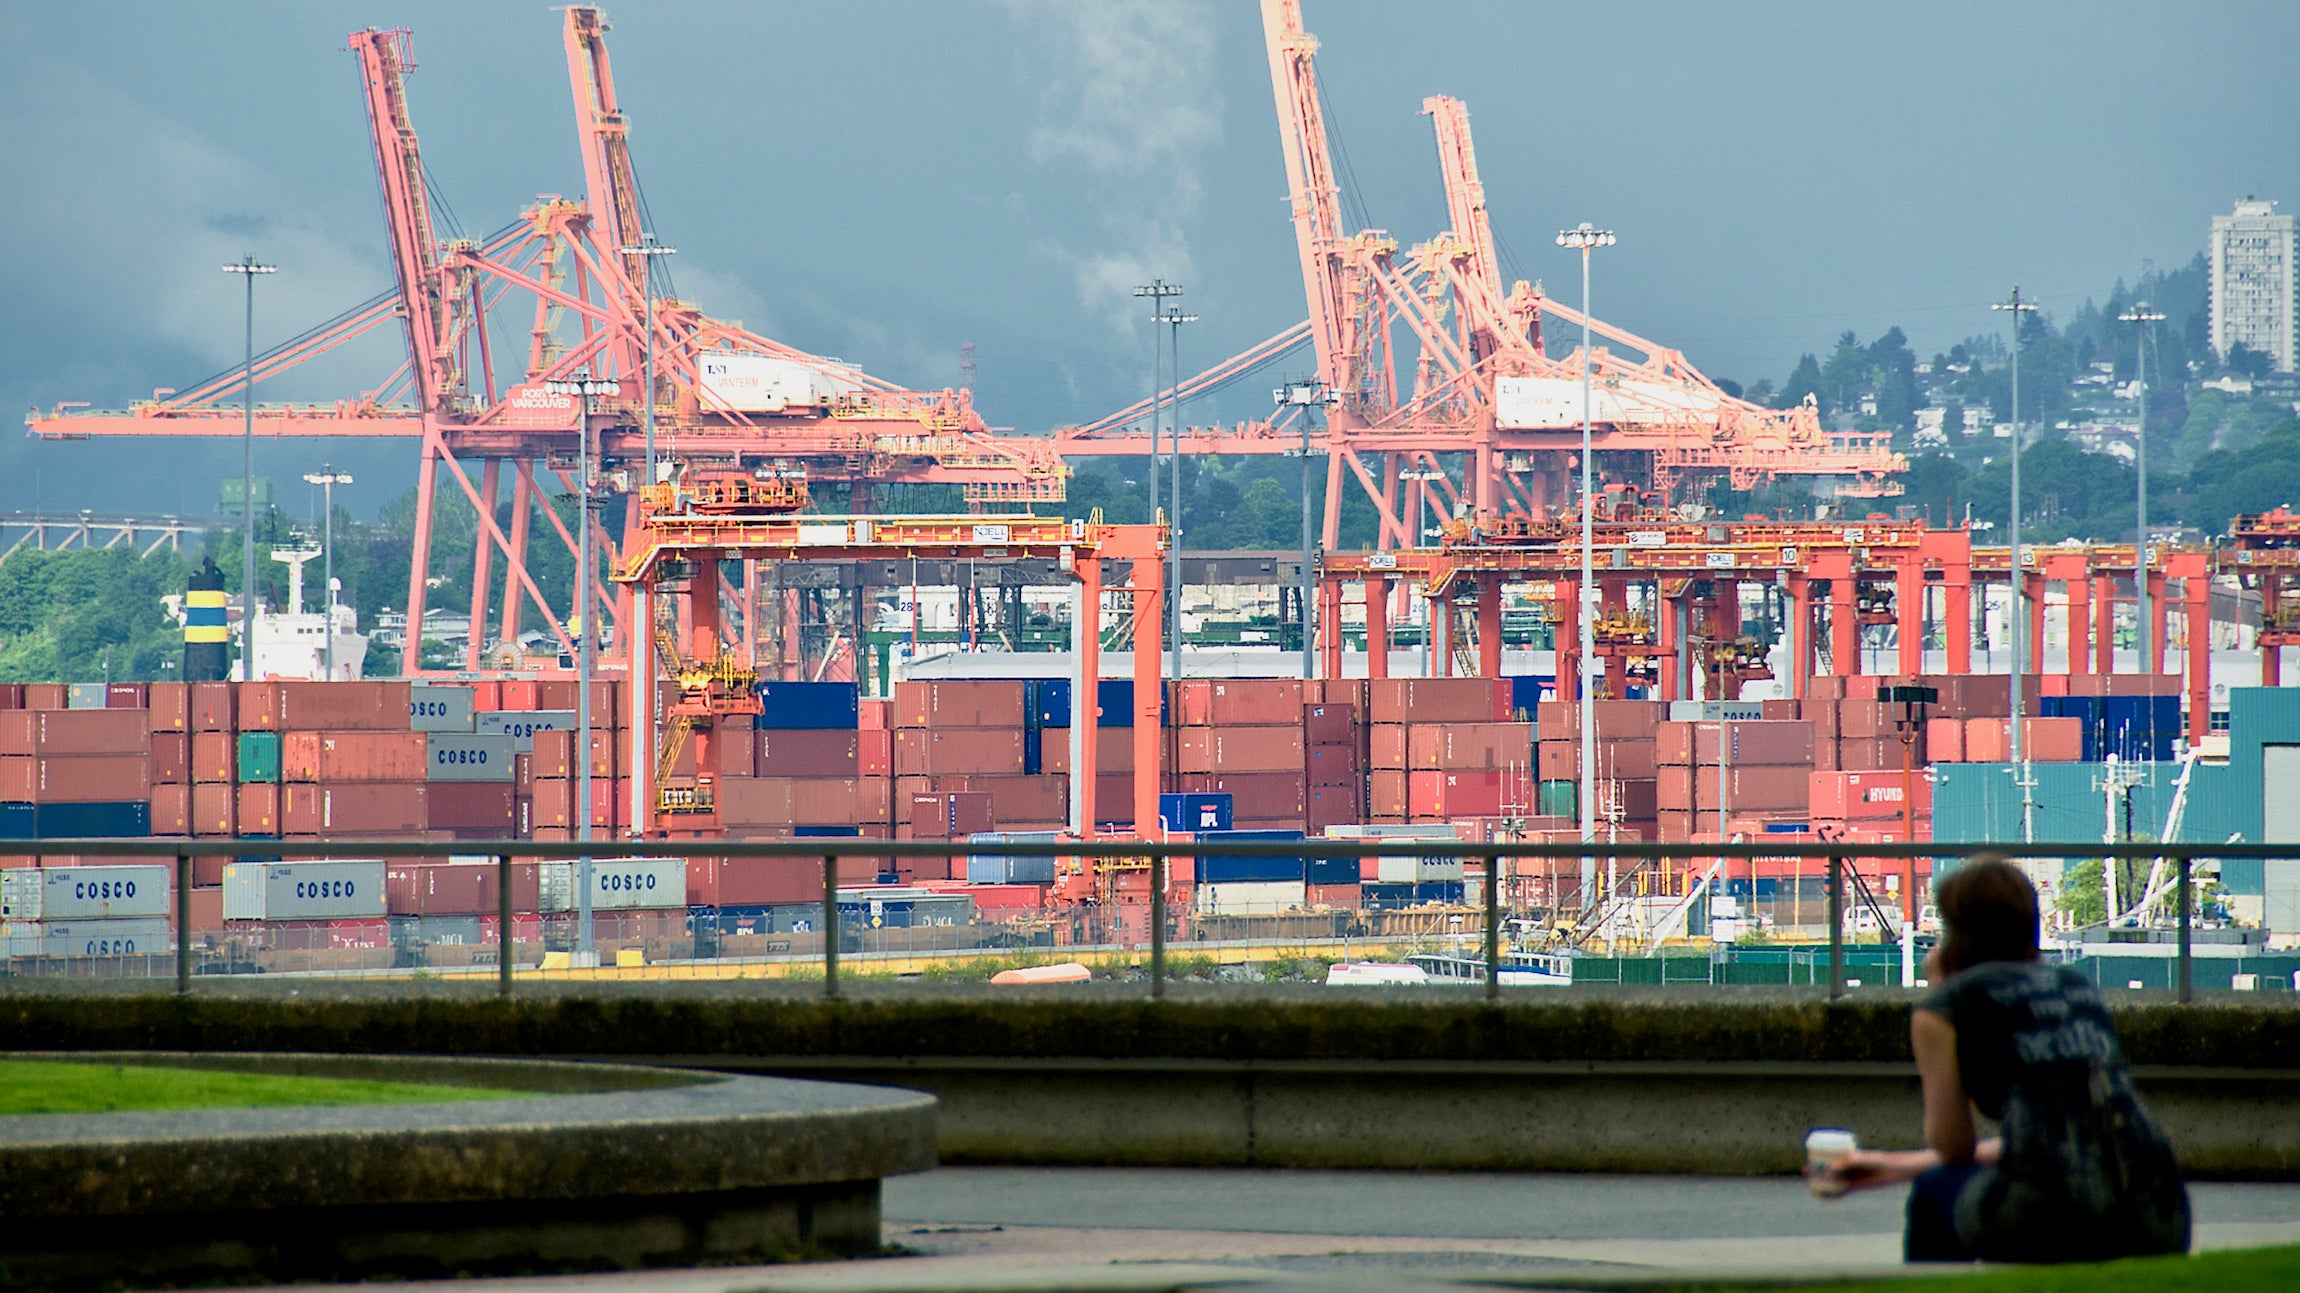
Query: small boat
1518, 969
1374, 973
1064, 972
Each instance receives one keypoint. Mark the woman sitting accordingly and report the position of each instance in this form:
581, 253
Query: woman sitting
2081, 1171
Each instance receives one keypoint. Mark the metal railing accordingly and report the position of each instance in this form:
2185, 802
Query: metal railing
840, 860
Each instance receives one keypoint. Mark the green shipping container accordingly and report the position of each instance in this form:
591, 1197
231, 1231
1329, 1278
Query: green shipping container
259, 757
1559, 799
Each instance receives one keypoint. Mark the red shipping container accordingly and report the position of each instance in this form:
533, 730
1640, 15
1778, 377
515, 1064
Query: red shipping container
1114, 797
754, 882
257, 809
473, 809
215, 757
336, 706
1440, 795
12, 695
258, 706
1437, 700
1333, 765
955, 815
1331, 806
959, 703
874, 715
1329, 725
1238, 749
380, 807
1625, 720
1770, 743
75, 731
736, 750
75, 779
808, 754
1758, 788
171, 758
1861, 686
168, 706
567, 693
874, 753
1386, 795
1241, 702
555, 753
1560, 760
1387, 745
1469, 746
171, 810
1027, 803
946, 751
353, 756
1349, 693
45, 695
214, 706
523, 773
127, 695
1880, 754
1945, 740
208, 910
214, 812
1868, 796
1335, 897
1254, 796
487, 696
518, 694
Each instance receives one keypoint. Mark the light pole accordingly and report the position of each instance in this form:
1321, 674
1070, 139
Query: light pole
2019, 626
2143, 623
247, 268
1584, 238
327, 478
1305, 396
647, 250
583, 386
1156, 290
639, 651
1174, 319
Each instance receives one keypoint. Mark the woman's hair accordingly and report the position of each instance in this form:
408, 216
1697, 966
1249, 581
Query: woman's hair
1988, 913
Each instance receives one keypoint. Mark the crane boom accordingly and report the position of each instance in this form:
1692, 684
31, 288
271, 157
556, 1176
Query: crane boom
606, 144
385, 59
1311, 189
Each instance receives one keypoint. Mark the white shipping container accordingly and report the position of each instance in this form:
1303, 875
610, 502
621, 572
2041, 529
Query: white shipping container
521, 725
142, 936
468, 756
762, 384
303, 890
84, 892
1416, 870
85, 695
1252, 897
438, 707
618, 884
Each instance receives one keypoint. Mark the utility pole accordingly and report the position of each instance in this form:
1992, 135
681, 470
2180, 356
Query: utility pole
640, 649
247, 268
1305, 396
2143, 621
2019, 626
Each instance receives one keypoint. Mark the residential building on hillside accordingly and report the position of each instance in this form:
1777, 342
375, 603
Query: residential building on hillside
2252, 282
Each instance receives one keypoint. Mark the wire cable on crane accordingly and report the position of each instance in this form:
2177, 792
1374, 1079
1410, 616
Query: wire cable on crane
1345, 176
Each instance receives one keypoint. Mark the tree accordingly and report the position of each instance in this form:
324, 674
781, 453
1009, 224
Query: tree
1804, 381
2244, 361
2233, 482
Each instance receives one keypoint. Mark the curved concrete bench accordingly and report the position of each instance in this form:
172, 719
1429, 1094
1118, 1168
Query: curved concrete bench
606, 1166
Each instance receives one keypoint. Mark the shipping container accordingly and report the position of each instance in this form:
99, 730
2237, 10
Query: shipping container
1195, 813
85, 893
1333, 765
553, 752
801, 752
1770, 743
82, 731
440, 707
954, 750
44, 695
215, 809
1438, 700
377, 807
85, 695
212, 706
256, 810
1251, 897
1238, 702
303, 890
1255, 796
471, 809
91, 821
168, 706
990, 866
521, 725
1469, 746
809, 706
336, 757
170, 809
334, 706
87, 938
1239, 749
1869, 796
959, 703
58, 779
468, 756
754, 882
1636, 720
171, 759
617, 884
259, 756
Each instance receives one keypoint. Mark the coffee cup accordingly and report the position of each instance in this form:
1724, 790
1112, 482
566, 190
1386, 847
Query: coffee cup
1824, 1146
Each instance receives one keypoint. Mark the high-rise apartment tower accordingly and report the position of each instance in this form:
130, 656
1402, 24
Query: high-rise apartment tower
2252, 281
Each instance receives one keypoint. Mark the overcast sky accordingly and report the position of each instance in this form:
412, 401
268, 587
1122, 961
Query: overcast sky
884, 182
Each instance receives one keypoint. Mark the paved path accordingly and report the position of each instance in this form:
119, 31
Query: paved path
1145, 1229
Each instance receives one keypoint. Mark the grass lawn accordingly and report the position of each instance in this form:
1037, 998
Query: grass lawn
2249, 1270
41, 1086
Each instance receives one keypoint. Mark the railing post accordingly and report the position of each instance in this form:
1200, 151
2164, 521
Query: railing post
1836, 926
183, 924
830, 926
505, 945
1492, 927
2187, 984
1158, 863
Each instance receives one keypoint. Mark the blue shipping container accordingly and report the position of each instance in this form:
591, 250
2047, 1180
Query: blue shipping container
1196, 814
1525, 695
809, 707
17, 821
1048, 700
1332, 870
1221, 870
124, 819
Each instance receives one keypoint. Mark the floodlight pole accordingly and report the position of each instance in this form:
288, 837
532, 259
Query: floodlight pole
1586, 238
2143, 623
247, 268
583, 386
2018, 307
327, 478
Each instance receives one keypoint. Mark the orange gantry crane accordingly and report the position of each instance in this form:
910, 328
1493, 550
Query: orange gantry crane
1440, 387
724, 397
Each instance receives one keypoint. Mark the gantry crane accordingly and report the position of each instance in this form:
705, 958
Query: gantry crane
724, 396
1430, 362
